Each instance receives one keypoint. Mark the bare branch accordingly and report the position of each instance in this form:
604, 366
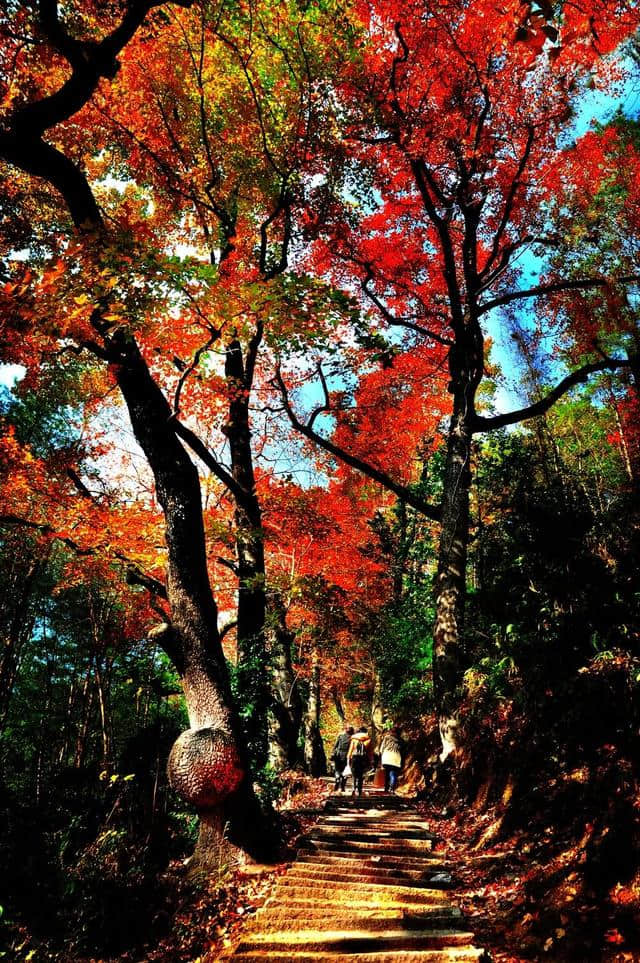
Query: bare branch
191, 368
509, 203
480, 423
227, 563
135, 576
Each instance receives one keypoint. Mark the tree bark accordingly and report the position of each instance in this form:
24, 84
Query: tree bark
450, 583
204, 770
285, 714
314, 755
209, 763
252, 599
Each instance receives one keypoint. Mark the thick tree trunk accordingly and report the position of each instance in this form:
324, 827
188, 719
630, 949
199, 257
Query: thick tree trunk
314, 755
285, 714
208, 763
252, 598
450, 584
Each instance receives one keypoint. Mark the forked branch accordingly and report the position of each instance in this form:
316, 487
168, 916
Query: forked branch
403, 492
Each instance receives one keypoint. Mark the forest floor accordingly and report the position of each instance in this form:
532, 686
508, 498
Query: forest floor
527, 896
204, 926
539, 893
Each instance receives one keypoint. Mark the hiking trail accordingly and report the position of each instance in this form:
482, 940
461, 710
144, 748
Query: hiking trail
365, 888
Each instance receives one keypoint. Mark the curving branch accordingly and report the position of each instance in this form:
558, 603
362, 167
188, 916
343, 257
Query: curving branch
403, 492
392, 319
508, 209
226, 628
282, 207
22, 144
479, 423
133, 574
556, 286
190, 368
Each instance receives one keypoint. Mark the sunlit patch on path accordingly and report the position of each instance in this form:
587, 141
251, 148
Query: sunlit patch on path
366, 886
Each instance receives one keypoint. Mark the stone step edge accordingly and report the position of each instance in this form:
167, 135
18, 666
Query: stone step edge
298, 901
298, 883
326, 856
471, 955
379, 880
361, 866
332, 936
355, 923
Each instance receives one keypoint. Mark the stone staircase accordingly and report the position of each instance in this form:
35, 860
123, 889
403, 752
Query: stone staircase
365, 887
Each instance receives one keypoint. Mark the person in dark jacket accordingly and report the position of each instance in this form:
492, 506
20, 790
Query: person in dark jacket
339, 756
358, 757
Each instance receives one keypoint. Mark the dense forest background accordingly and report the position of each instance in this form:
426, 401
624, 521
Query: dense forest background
320, 364
90, 709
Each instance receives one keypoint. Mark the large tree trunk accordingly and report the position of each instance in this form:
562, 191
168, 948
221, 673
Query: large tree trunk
314, 755
450, 583
285, 714
208, 763
252, 599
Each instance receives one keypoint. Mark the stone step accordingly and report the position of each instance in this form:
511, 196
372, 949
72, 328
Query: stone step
352, 809
355, 860
412, 893
359, 893
373, 818
353, 941
370, 829
452, 955
372, 832
300, 902
378, 847
269, 918
371, 874
350, 805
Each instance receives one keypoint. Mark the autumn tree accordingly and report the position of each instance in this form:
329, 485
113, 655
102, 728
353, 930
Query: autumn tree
454, 117
116, 288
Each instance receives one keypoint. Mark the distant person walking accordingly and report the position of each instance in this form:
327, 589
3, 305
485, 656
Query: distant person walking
391, 751
358, 757
339, 756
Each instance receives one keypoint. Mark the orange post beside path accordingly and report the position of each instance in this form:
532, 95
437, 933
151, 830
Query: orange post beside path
365, 888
